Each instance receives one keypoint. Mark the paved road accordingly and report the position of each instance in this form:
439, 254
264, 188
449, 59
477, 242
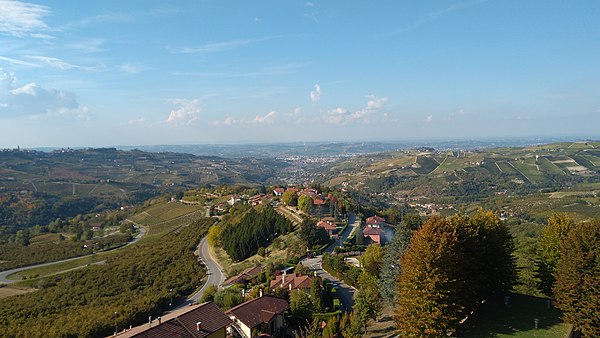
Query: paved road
5, 274
345, 292
353, 224
213, 271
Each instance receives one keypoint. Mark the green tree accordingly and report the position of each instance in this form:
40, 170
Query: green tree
301, 307
229, 297
412, 221
577, 274
367, 301
290, 198
391, 264
316, 295
548, 249
372, 259
209, 294
305, 203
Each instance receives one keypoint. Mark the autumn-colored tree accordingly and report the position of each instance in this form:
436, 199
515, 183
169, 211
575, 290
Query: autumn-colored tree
548, 249
372, 259
430, 285
577, 274
450, 266
214, 235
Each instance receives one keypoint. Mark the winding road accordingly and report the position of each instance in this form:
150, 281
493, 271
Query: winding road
4, 274
213, 272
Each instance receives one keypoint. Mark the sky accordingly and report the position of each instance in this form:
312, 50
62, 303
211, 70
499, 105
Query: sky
108, 73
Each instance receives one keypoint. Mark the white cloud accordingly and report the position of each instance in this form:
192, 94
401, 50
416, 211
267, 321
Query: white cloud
52, 62
18, 62
32, 99
228, 121
131, 68
135, 122
227, 45
19, 18
315, 95
186, 113
267, 118
429, 119
336, 116
309, 4
373, 105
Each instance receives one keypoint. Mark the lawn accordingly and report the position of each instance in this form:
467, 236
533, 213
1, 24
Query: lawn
494, 319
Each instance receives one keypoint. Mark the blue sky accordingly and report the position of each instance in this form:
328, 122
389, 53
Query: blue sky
104, 73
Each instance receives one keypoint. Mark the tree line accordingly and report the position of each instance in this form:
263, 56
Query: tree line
256, 229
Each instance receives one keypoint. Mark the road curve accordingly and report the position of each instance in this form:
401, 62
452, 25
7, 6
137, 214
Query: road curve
214, 275
4, 274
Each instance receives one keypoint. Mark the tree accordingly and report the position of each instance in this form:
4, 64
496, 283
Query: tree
301, 307
367, 302
449, 267
390, 267
229, 297
311, 234
548, 249
214, 235
290, 198
316, 295
372, 259
209, 293
427, 288
359, 238
305, 203
412, 221
578, 278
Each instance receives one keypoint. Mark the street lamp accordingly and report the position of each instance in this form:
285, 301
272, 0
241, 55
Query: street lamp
115, 323
171, 302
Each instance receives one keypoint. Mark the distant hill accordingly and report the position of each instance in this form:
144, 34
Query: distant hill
36, 187
469, 174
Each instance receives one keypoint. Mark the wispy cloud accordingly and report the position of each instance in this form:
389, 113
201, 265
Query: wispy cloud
20, 19
435, 15
336, 116
52, 62
131, 68
186, 113
134, 122
278, 70
93, 45
18, 62
428, 119
315, 95
227, 45
267, 118
227, 121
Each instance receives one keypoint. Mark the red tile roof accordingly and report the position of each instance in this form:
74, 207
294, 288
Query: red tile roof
327, 225
375, 220
244, 276
182, 323
297, 281
259, 310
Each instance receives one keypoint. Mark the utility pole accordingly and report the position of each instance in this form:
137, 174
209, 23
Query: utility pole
171, 302
115, 323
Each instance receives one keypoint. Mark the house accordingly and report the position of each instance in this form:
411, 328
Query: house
375, 233
244, 276
233, 200
258, 199
295, 281
375, 221
328, 225
278, 191
263, 314
204, 320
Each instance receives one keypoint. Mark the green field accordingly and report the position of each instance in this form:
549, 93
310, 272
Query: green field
163, 212
494, 319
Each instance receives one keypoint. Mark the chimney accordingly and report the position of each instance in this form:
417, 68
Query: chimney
260, 292
290, 286
159, 320
150, 321
198, 326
